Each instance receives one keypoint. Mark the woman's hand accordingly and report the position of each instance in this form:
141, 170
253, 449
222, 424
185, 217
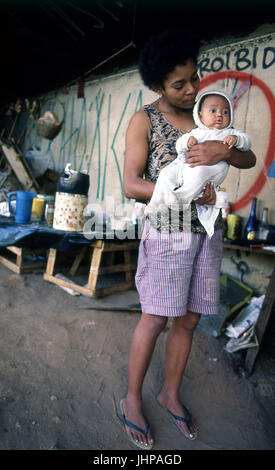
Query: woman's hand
212, 152
207, 153
209, 195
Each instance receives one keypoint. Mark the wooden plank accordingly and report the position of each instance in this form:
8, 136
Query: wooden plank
95, 264
261, 325
247, 249
70, 284
116, 268
19, 260
14, 249
18, 251
51, 261
19, 165
9, 264
120, 247
86, 291
17, 265
97, 244
77, 261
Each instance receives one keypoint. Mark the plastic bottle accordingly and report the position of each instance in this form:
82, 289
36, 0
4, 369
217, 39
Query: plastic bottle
263, 227
250, 231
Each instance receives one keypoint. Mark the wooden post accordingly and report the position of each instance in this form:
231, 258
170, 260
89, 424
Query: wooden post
77, 261
94, 268
261, 324
51, 262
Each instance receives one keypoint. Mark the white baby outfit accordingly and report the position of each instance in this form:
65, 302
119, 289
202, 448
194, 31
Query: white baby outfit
178, 184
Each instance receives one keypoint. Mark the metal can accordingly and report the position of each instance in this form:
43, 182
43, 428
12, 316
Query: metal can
38, 206
234, 227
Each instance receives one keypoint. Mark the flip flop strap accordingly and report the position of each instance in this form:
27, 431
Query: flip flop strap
184, 420
133, 426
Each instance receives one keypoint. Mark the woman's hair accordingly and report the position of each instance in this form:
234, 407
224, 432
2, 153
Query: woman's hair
162, 53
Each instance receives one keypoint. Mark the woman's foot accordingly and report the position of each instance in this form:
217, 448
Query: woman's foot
131, 410
173, 406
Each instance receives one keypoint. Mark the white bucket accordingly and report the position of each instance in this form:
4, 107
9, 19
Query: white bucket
68, 212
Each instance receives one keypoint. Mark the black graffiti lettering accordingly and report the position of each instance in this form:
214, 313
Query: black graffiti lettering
266, 56
203, 66
227, 60
241, 55
244, 58
254, 59
220, 63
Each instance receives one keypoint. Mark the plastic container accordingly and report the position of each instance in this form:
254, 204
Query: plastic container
69, 212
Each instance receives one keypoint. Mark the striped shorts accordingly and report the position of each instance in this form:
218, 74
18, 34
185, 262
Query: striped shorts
179, 271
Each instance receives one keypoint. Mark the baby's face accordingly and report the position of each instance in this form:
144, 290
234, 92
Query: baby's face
215, 112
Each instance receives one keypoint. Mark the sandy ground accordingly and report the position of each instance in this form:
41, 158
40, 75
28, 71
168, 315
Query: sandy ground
63, 370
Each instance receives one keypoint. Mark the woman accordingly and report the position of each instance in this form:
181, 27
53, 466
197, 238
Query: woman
178, 272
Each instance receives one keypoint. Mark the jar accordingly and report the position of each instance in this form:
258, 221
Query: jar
49, 213
49, 209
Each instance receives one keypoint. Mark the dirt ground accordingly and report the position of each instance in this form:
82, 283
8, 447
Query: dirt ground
63, 370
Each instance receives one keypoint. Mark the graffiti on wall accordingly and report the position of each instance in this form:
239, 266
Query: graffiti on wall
88, 141
241, 83
245, 69
239, 60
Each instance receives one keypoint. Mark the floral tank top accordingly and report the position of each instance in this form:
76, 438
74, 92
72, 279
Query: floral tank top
162, 151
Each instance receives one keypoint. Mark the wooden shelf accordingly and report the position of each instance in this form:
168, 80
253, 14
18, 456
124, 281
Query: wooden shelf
247, 249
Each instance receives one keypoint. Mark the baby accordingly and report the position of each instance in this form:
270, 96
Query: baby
178, 184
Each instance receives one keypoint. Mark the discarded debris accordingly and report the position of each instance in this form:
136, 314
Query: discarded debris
67, 289
248, 339
248, 316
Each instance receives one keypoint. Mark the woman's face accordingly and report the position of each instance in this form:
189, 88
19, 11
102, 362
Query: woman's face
181, 86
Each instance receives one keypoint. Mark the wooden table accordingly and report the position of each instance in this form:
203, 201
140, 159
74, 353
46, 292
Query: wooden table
98, 247
13, 258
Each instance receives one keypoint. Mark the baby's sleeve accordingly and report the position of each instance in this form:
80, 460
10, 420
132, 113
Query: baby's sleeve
244, 142
181, 143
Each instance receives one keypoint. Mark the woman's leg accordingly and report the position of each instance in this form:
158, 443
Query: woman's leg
142, 347
178, 347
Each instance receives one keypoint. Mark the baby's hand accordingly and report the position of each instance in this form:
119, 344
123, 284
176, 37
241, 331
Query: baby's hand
230, 140
191, 141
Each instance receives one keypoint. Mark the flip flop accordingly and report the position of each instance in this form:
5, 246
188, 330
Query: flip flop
133, 426
176, 418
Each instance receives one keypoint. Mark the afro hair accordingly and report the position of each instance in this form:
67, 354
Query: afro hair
162, 53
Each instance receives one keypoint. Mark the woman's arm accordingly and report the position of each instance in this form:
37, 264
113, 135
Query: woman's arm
136, 155
211, 152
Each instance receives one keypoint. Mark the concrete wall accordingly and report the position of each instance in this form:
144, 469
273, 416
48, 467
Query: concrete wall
93, 134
